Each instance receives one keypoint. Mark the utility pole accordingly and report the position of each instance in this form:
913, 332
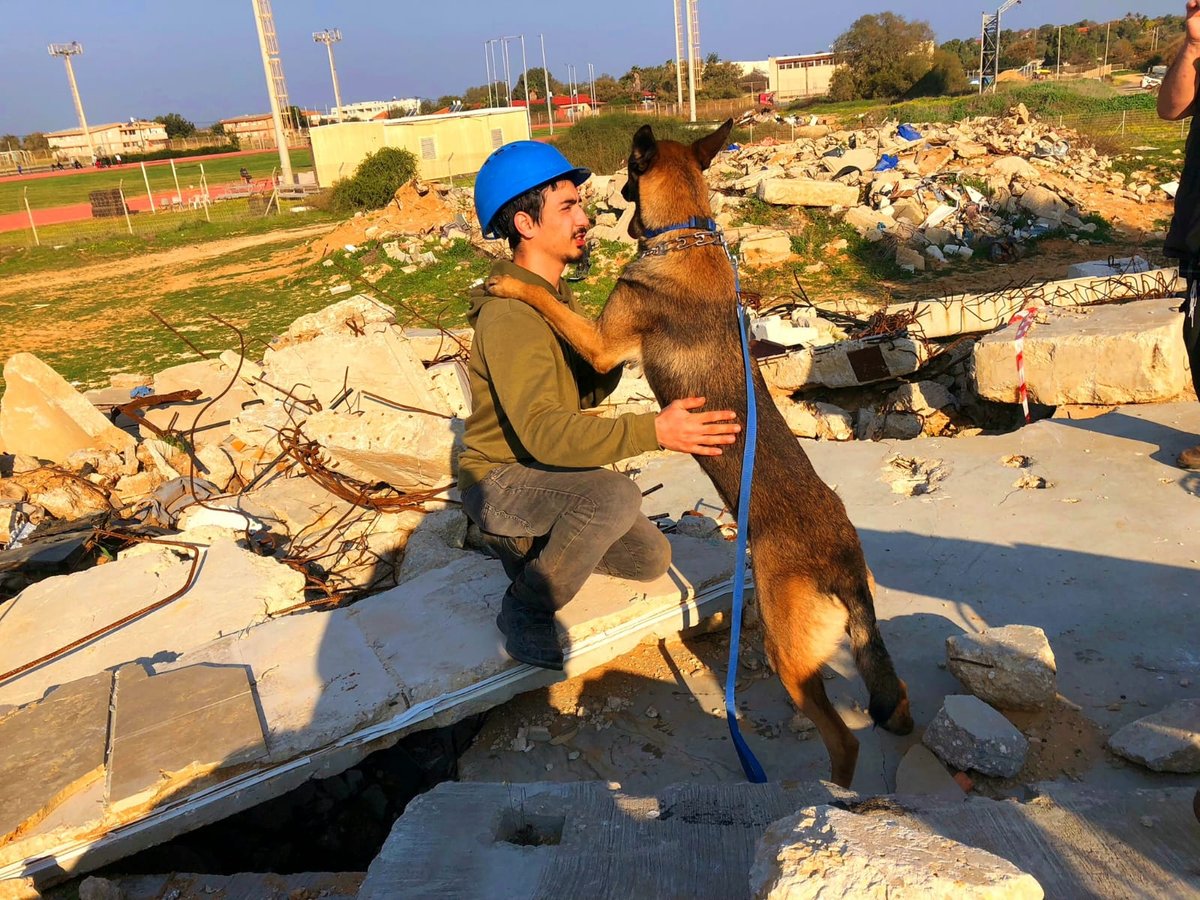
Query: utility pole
66, 51
592, 82
691, 65
329, 37
1058, 58
1107, 31
546, 74
264, 21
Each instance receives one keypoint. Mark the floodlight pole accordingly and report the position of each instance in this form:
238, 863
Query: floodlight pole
528, 104
691, 64
487, 68
262, 10
546, 74
507, 73
678, 61
329, 37
66, 51
592, 82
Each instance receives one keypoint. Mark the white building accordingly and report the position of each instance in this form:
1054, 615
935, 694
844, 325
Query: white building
367, 110
134, 136
789, 77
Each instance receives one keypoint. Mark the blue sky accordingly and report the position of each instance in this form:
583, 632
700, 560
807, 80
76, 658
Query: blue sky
147, 57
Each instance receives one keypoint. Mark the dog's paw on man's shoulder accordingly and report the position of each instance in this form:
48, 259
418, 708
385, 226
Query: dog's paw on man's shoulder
504, 286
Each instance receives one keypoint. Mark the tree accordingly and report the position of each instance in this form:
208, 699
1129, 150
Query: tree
217, 128
881, 55
722, 80
966, 51
9, 142
945, 76
176, 125
35, 141
537, 84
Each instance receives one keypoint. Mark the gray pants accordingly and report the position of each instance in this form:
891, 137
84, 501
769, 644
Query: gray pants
553, 527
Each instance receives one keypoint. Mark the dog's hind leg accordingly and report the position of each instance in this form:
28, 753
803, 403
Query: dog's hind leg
803, 629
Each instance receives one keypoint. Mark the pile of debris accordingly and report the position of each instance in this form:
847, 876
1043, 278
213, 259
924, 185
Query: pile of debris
418, 209
328, 451
979, 186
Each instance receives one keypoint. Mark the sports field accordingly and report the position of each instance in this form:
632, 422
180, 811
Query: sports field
72, 186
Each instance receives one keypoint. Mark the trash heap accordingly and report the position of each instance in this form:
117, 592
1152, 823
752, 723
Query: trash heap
945, 192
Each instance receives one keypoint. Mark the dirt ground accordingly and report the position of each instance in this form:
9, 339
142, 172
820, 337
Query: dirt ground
152, 265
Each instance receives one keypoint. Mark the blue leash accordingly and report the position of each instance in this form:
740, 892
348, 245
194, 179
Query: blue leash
750, 765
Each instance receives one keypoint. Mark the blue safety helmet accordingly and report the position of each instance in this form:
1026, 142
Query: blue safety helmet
514, 169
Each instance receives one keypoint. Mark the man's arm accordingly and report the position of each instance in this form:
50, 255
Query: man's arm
1177, 94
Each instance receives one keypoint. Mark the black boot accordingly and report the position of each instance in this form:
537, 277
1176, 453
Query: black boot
529, 633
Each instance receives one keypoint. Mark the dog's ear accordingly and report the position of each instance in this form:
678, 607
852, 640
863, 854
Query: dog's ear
706, 149
643, 152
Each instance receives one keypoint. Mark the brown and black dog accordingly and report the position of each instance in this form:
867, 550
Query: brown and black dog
677, 311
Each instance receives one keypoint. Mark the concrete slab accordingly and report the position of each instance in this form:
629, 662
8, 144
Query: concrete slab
173, 728
328, 700
234, 589
977, 313
580, 840
476, 841
315, 677
52, 749
1128, 353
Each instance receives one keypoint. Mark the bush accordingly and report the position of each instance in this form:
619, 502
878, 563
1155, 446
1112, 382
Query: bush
601, 143
375, 181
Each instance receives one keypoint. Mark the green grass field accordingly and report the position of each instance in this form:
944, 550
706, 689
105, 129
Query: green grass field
67, 188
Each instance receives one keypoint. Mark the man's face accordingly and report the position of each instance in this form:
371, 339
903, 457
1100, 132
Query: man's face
562, 232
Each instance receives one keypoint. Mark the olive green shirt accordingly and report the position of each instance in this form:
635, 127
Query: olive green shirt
528, 388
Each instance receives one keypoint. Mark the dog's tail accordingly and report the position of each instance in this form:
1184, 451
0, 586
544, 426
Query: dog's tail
889, 695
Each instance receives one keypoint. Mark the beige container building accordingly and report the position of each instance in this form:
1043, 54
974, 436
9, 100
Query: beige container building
444, 145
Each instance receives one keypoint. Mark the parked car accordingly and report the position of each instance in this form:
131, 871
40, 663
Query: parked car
1153, 77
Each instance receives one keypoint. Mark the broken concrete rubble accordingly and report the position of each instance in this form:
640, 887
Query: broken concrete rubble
969, 734
845, 364
43, 416
806, 192
1011, 667
818, 420
1167, 741
822, 851
408, 450
766, 249
209, 419
1128, 353
379, 361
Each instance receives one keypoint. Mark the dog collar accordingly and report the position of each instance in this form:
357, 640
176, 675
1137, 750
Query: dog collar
693, 223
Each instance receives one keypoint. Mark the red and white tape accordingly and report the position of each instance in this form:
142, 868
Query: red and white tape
1025, 317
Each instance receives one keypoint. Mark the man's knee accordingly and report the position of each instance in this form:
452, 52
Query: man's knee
657, 559
617, 498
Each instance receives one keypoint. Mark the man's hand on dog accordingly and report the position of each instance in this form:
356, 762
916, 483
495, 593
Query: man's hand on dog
701, 433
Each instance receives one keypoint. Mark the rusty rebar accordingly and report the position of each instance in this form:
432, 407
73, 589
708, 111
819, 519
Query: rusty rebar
124, 620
